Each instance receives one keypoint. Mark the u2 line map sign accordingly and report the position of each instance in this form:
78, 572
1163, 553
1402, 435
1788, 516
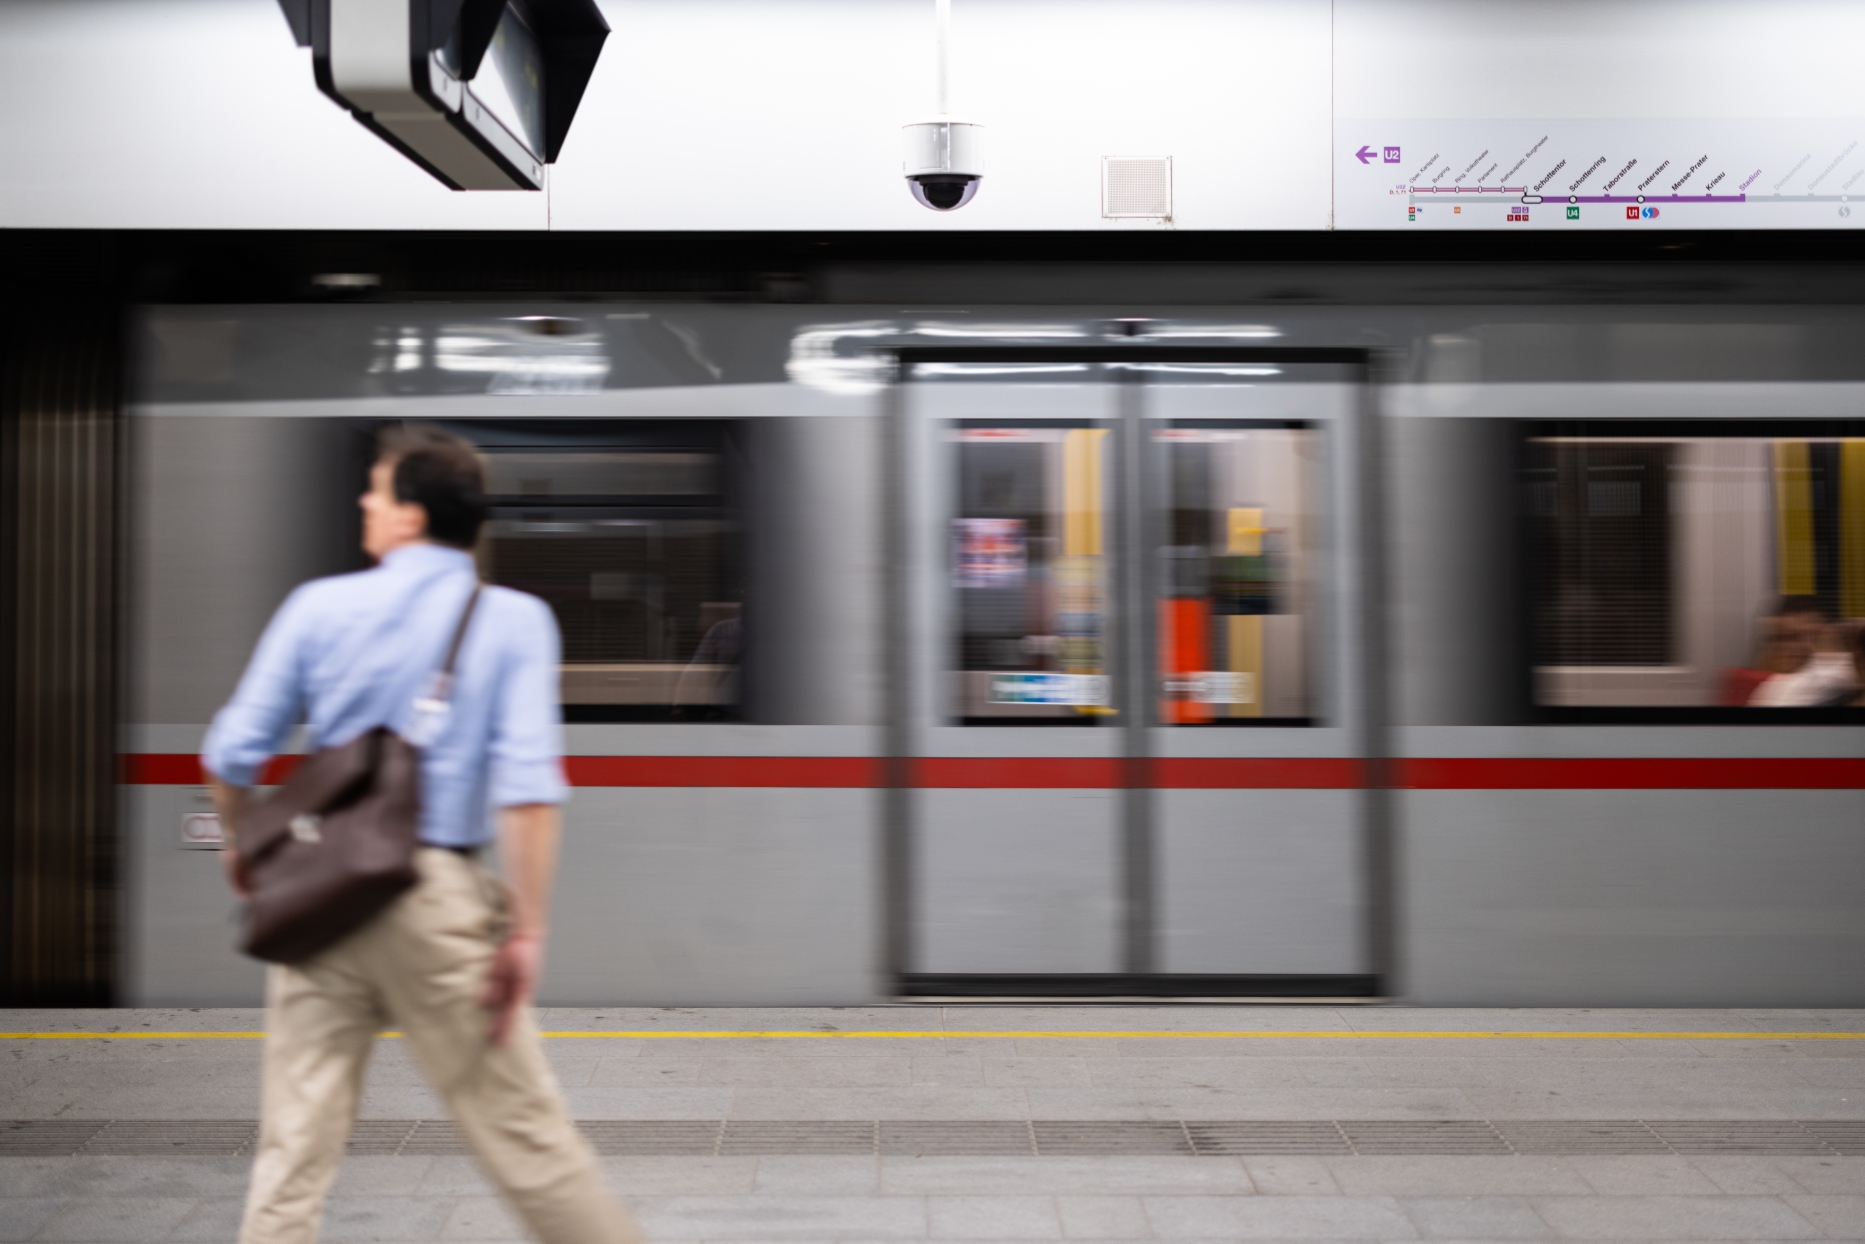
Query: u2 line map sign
1599, 174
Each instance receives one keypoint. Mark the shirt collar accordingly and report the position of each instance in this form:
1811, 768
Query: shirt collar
424, 556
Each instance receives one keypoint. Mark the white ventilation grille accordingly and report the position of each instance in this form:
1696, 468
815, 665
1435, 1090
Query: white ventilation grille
1136, 186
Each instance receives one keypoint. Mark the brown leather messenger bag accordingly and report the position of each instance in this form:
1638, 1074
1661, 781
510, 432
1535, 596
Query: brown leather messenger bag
334, 846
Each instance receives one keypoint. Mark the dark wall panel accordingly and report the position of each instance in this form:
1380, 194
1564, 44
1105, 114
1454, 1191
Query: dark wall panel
60, 435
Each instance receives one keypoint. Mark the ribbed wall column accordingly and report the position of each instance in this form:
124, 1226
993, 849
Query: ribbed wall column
58, 642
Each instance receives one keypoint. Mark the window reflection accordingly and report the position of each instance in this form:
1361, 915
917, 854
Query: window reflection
1235, 574
636, 554
1029, 572
1705, 571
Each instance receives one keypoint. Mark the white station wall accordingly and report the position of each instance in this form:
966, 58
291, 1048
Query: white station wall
785, 114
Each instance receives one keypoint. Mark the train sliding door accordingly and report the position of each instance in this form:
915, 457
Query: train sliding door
1129, 679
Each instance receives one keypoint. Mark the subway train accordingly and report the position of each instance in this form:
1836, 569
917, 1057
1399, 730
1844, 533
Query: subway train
1479, 649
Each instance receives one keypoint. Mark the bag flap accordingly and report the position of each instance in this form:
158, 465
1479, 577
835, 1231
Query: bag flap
320, 781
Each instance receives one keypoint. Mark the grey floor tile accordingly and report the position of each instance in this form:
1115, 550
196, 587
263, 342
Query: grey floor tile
644, 1072
21, 1217
1278, 1218
1674, 1218
1457, 1176
102, 1219
781, 1217
134, 1176
482, 1218
669, 1176
1015, 1072
1103, 1218
1291, 1176
1837, 1217
386, 1175
1058, 1175
213, 1220
1475, 1218
929, 1102
648, 1103
451, 1176
1078, 1104
949, 1070
414, 1101
1240, 1074
1825, 1175
818, 1176
992, 1218
380, 1218
36, 1177
1436, 1103
853, 1071
1747, 1176
1642, 1175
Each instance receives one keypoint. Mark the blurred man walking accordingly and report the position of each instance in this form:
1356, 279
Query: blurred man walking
453, 962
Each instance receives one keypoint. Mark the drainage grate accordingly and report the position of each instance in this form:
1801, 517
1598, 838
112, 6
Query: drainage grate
1844, 1136
1089, 1139
755, 1137
1740, 1136
1217, 1139
993, 1138
1563, 1136
37, 1137
1403, 1136
650, 1137
381, 1136
932, 1137
187, 1137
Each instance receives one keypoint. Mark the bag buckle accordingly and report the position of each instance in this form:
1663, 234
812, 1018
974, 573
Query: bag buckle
304, 827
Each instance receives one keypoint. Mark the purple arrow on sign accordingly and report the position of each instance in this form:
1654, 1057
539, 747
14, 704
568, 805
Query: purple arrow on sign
1365, 154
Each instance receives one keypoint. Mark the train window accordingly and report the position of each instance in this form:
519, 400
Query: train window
637, 554
1235, 573
1029, 545
1702, 572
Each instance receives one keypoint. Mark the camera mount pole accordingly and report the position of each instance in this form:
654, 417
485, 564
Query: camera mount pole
942, 22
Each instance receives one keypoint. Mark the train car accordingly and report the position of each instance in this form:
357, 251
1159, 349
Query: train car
1492, 647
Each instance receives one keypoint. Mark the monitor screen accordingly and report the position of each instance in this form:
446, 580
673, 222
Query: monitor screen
510, 82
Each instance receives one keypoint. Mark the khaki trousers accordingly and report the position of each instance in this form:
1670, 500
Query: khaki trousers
419, 968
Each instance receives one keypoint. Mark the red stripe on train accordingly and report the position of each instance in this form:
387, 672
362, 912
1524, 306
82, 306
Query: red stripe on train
1618, 773
1176, 773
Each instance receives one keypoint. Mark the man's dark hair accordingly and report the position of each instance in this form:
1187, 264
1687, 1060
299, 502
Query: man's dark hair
441, 473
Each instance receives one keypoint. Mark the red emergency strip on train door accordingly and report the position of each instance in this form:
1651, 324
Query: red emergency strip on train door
1619, 773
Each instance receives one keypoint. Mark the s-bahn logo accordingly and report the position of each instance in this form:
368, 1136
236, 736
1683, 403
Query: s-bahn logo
1641, 213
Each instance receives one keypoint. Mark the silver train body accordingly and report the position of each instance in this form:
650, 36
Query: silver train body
1162, 650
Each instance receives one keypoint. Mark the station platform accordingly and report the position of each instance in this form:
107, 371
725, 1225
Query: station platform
1007, 1123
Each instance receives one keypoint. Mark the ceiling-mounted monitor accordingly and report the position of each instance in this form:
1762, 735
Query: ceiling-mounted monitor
480, 93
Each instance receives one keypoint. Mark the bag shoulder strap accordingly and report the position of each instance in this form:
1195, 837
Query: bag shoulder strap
459, 632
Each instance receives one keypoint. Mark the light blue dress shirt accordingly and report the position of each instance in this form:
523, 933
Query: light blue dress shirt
352, 652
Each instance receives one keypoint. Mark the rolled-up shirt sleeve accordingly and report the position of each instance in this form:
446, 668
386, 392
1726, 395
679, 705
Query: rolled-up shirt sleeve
251, 727
526, 750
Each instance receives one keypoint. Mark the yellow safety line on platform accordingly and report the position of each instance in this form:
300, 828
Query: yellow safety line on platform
1114, 1035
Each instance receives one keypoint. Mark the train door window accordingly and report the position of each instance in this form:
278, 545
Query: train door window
1029, 572
1236, 572
1720, 571
636, 549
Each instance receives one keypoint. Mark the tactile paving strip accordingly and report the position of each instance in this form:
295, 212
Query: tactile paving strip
994, 1138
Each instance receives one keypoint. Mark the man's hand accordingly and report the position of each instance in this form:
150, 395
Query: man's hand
230, 803
528, 836
512, 980
235, 867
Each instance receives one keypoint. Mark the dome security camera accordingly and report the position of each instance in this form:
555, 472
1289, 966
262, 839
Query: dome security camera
944, 162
